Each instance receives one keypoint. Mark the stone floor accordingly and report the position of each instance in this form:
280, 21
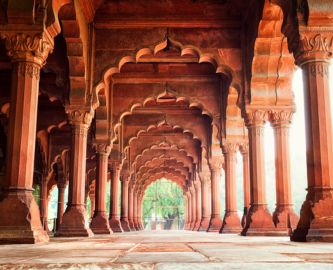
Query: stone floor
169, 250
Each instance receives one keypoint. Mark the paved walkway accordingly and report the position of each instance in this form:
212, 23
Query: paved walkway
169, 250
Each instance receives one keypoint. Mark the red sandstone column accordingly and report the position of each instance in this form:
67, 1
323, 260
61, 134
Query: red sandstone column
189, 210
216, 221
61, 203
135, 210
100, 223
316, 220
124, 205
74, 221
140, 211
197, 186
92, 204
259, 220
130, 207
231, 221
194, 205
244, 149
284, 217
43, 203
206, 202
115, 216
28, 52
186, 211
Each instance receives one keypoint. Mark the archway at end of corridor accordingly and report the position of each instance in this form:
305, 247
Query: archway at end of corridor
163, 206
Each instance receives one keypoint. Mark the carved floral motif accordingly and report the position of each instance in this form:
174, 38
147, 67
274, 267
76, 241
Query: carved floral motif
256, 117
80, 117
102, 149
29, 69
279, 117
22, 45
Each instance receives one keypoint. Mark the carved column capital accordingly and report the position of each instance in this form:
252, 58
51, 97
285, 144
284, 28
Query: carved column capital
28, 46
230, 148
216, 163
244, 148
80, 116
102, 149
314, 46
256, 117
281, 117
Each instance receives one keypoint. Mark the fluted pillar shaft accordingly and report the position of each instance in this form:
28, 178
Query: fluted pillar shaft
216, 221
114, 201
284, 216
27, 58
99, 223
194, 206
124, 206
206, 204
61, 203
74, 222
231, 221
43, 203
316, 220
131, 207
197, 186
135, 211
259, 220
246, 181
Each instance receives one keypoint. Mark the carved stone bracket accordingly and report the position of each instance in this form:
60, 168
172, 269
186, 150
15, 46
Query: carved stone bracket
28, 47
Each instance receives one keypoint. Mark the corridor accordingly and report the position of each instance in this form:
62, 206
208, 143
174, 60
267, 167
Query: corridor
169, 250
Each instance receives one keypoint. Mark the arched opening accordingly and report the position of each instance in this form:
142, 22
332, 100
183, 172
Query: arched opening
163, 206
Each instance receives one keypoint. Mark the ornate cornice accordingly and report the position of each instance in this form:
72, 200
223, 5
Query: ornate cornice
28, 47
314, 46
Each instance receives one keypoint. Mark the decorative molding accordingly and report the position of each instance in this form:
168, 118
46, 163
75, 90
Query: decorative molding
319, 69
244, 149
23, 46
30, 69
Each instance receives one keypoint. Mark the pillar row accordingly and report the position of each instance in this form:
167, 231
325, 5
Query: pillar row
124, 205
197, 186
205, 201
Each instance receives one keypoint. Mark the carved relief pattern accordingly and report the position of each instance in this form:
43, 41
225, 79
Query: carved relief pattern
244, 149
281, 117
319, 69
19, 45
230, 148
315, 45
29, 69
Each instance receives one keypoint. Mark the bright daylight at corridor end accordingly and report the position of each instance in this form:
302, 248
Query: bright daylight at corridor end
162, 135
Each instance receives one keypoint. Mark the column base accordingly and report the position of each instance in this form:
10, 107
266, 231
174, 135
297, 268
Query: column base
187, 226
259, 222
197, 225
115, 225
285, 218
192, 226
136, 226
100, 223
204, 224
20, 219
316, 222
131, 225
215, 224
231, 223
125, 225
74, 223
